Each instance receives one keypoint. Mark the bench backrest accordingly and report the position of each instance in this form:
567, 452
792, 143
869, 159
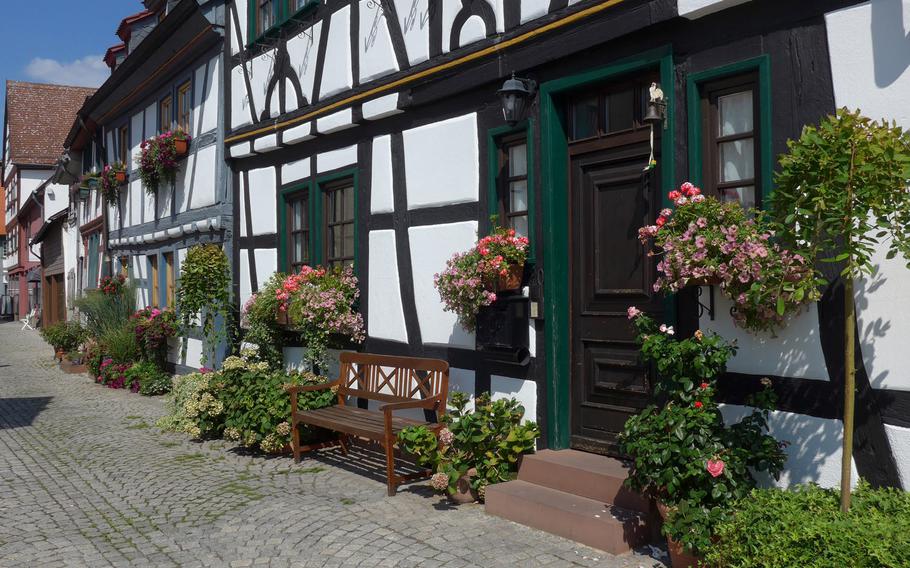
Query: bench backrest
393, 379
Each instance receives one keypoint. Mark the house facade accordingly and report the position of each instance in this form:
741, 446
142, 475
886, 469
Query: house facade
372, 132
165, 75
36, 121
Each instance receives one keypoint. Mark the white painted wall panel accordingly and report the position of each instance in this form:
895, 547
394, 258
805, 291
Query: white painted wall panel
463, 380
262, 193
377, 56
206, 111
814, 453
238, 35
381, 107
334, 159
533, 9
240, 100
193, 356
337, 74
196, 184
431, 246
441, 162
303, 50
335, 121
899, 438
241, 192
260, 75
414, 19
293, 171
246, 289
473, 30
795, 351
693, 9
381, 194
136, 192
522, 390
870, 67
297, 134
266, 143
386, 316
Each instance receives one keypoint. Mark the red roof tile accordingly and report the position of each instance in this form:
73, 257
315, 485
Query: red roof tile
124, 30
39, 117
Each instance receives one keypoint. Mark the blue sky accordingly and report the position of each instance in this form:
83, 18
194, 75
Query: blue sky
59, 41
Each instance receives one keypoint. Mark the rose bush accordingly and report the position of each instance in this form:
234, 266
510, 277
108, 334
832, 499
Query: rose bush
705, 240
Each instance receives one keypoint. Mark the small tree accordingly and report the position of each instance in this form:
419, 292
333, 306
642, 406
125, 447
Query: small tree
842, 192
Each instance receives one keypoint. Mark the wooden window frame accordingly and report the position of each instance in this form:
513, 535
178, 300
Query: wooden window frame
639, 87
166, 101
711, 141
327, 223
300, 194
185, 115
154, 298
170, 280
286, 12
505, 180
123, 145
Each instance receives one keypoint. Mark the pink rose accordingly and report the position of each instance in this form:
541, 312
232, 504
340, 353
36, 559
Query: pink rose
686, 187
715, 467
633, 312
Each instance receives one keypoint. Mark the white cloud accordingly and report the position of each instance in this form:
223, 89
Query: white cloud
88, 71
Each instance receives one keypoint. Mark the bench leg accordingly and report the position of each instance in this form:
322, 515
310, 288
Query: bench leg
295, 442
343, 442
390, 467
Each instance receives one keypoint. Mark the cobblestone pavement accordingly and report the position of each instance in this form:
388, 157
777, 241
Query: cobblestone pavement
87, 480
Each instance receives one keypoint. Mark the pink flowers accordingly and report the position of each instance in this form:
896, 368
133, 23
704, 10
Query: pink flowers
715, 467
668, 329
320, 303
633, 312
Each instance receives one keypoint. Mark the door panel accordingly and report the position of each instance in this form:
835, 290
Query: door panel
611, 197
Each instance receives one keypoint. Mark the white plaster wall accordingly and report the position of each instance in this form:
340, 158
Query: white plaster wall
335, 121
334, 159
473, 30
899, 438
814, 453
137, 202
297, 134
337, 73
303, 50
241, 193
519, 389
533, 9
240, 99
206, 111
238, 35
262, 193
414, 19
380, 107
140, 274
795, 351
386, 314
293, 171
266, 143
266, 265
193, 356
377, 56
196, 180
869, 46
693, 9
260, 75
56, 198
431, 246
381, 195
148, 200
442, 163
463, 380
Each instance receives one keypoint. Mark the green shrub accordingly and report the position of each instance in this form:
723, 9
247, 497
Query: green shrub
105, 312
258, 320
257, 407
804, 527
65, 335
120, 344
147, 379
193, 406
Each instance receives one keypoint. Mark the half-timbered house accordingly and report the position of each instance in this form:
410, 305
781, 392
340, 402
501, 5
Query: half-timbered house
372, 132
165, 75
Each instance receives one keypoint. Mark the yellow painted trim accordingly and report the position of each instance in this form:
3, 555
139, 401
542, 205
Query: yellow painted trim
570, 19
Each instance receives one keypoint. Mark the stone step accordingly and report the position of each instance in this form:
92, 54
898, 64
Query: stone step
592, 523
587, 475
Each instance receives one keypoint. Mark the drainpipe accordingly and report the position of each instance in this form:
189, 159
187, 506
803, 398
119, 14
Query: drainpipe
34, 198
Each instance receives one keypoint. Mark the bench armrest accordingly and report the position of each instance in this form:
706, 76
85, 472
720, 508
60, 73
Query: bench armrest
429, 403
294, 389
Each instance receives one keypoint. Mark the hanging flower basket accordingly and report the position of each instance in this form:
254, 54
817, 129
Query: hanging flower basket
508, 282
158, 158
112, 179
182, 146
120, 176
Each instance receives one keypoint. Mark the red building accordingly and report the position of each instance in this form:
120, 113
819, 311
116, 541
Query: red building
37, 120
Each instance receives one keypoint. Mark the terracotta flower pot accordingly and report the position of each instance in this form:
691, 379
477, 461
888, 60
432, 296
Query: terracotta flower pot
509, 281
120, 176
58, 354
182, 145
281, 318
679, 556
463, 491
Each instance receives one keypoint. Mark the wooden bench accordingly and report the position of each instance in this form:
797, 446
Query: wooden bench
397, 382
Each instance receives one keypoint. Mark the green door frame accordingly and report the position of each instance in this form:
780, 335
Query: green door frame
554, 154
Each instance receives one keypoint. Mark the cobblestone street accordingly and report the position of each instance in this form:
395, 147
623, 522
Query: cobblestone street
87, 480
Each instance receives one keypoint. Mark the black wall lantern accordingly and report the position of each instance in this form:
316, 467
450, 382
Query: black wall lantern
516, 95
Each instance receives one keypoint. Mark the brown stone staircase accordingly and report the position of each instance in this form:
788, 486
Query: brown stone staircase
578, 496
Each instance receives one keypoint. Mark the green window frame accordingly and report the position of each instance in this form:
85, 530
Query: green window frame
696, 83
315, 189
282, 11
497, 181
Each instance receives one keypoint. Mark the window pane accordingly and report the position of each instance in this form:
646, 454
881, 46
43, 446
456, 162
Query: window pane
348, 197
745, 196
620, 110
518, 196
520, 224
584, 118
348, 240
518, 160
735, 113
737, 160
337, 240
298, 248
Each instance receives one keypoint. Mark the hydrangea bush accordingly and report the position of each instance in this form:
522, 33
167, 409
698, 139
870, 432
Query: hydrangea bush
193, 406
469, 281
706, 241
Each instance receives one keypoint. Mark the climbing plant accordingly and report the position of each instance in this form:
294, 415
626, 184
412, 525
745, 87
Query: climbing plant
842, 194
204, 293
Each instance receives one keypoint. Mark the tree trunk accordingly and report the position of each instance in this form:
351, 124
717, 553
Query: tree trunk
849, 392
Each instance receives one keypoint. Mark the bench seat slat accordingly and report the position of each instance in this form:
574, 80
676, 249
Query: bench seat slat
353, 420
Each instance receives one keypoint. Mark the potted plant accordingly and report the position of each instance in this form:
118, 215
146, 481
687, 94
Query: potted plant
708, 242
158, 157
90, 181
472, 279
320, 305
842, 197
473, 449
682, 452
64, 336
181, 142
112, 178
153, 327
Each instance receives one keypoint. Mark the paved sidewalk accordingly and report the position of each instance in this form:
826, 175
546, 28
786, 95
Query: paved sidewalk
87, 480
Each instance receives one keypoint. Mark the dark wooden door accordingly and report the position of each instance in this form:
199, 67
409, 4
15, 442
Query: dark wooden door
610, 198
